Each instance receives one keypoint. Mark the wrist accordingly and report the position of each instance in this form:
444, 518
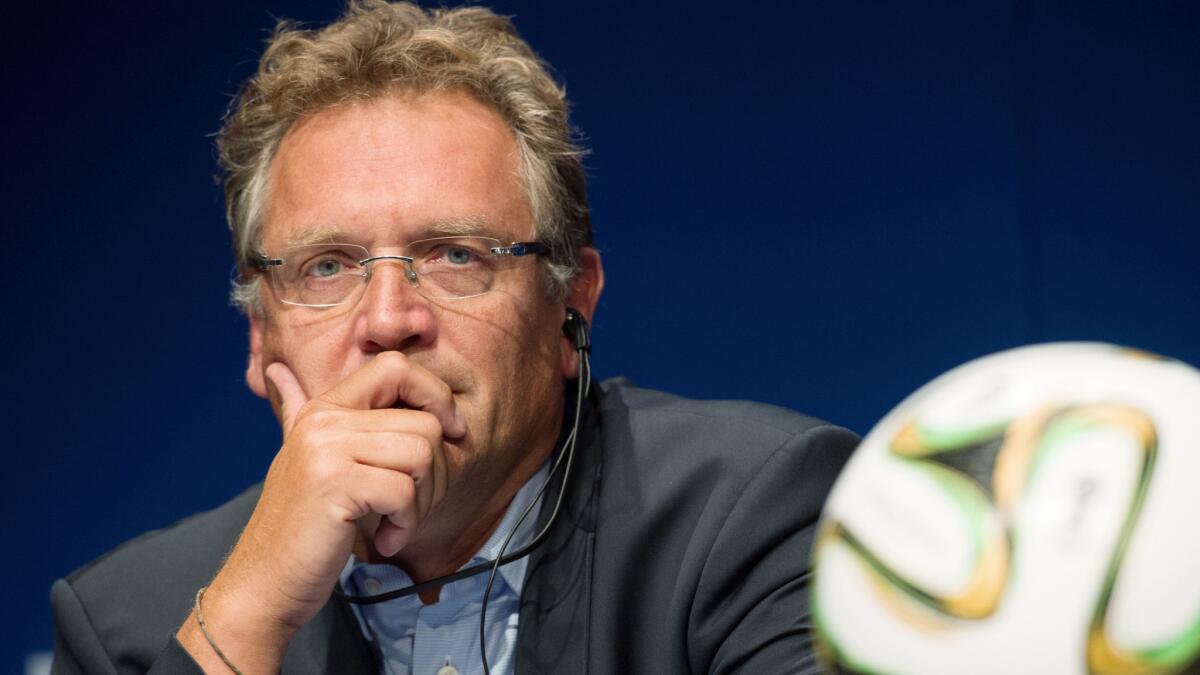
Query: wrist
226, 633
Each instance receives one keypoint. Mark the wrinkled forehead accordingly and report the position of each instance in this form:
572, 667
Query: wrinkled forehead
394, 170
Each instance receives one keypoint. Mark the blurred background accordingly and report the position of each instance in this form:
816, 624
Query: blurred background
818, 205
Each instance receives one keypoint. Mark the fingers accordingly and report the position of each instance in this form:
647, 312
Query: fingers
291, 394
393, 495
394, 533
351, 449
419, 458
391, 378
385, 419
338, 443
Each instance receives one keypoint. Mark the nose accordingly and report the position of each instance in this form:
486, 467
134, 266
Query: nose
392, 315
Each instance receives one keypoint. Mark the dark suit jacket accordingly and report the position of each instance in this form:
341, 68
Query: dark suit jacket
682, 547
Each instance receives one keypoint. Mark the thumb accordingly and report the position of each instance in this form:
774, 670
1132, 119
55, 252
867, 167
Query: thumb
291, 394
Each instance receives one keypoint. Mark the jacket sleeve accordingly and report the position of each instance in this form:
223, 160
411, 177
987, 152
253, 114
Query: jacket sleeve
78, 647
752, 604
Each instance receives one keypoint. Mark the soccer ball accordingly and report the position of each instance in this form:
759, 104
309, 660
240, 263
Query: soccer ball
1034, 511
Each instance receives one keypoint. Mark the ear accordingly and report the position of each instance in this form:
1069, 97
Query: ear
584, 295
255, 379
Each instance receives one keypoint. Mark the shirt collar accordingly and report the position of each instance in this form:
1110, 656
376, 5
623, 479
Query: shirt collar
514, 572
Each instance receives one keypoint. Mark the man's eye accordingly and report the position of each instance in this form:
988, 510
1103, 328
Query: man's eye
458, 255
328, 268
325, 268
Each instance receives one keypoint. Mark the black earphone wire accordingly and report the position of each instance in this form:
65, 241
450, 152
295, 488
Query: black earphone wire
585, 382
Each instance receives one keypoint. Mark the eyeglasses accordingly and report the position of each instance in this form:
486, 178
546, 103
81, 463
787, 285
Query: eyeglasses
327, 275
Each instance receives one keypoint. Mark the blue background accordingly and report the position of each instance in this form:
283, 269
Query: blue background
820, 205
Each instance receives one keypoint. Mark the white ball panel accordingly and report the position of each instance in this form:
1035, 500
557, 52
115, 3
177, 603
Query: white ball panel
1065, 529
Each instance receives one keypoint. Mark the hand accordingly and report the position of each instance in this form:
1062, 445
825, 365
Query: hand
347, 454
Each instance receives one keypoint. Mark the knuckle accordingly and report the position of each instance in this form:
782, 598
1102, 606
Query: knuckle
422, 450
324, 468
322, 419
345, 507
428, 425
404, 488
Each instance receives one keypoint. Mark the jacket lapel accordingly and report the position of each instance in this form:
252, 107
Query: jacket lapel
556, 600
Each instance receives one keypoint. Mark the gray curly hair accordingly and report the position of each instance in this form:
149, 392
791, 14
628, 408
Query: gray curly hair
377, 47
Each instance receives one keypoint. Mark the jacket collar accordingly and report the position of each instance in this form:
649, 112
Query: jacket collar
555, 604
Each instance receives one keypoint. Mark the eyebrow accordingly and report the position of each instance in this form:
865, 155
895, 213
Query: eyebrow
465, 225
320, 234
457, 226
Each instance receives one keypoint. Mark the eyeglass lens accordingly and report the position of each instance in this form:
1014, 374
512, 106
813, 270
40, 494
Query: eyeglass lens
323, 275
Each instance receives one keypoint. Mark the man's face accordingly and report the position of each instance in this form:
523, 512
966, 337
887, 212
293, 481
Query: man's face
395, 170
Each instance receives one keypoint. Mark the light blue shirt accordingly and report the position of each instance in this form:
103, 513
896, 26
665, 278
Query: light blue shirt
419, 639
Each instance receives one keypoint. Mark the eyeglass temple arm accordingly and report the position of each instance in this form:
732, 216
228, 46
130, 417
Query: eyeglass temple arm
264, 263
520, 248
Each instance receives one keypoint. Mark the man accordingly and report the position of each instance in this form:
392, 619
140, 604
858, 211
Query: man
410, 220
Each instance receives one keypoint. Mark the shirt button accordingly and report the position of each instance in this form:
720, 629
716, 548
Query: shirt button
372, 585
447, 669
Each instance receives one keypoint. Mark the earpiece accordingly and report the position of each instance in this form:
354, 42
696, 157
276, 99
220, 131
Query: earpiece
576, 328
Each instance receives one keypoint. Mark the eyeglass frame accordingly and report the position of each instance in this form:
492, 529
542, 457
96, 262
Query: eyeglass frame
516, 249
